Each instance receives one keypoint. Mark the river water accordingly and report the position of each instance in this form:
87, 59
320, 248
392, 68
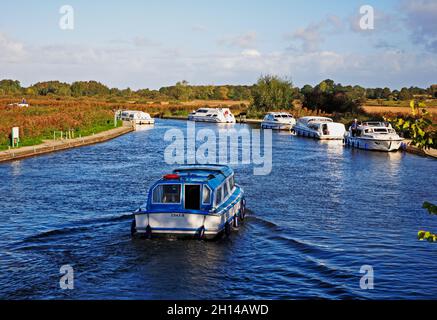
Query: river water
321, 214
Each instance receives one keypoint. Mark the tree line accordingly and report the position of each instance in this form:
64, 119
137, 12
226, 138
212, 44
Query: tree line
269, 93
183, 91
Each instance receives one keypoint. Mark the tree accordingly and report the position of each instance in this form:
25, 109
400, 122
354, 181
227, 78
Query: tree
330, 97
426, 235
52, 87
221, 93
272, 93
386, 92
88, 88
405, 94
418, 127
10, 87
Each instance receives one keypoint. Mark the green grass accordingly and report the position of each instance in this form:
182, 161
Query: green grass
83, 132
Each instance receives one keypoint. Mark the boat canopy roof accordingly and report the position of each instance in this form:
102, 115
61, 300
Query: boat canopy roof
211, 109
315, 119
375, 124
280, 114
212, 175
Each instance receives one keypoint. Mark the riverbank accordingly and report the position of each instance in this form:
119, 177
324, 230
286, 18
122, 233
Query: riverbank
422, 152
57, 145
249, 121
410, 148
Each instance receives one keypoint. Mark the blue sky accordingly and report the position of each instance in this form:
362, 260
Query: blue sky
151, 44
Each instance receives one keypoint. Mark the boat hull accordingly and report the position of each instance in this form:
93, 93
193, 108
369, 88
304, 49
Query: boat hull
209, 119
304, 132
144, 122
188, 224
375, 145
277, 126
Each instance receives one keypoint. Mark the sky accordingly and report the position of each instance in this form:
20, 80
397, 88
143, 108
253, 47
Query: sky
150, 44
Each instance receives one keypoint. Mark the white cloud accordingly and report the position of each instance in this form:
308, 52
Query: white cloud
313, 35
250, 53
421, 21
10, 50
199, 28
244, 41
125, 65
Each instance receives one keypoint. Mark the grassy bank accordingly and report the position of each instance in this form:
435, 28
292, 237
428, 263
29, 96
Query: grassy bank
38, 122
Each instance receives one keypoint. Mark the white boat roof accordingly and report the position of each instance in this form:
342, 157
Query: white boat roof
213, 109
134, 111
313, 119
374, 124
280, 113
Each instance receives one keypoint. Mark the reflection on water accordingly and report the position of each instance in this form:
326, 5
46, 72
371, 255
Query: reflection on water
322, 213
144, 127
16, 168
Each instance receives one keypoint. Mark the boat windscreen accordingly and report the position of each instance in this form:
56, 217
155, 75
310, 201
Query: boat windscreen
167, 194
382, 130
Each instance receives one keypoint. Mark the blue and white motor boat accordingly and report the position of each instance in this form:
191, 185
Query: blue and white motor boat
201, 201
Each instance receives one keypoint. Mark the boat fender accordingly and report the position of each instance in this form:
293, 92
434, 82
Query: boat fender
148, 232
200, 234
133, 227
243, 209
236, 222
227, 228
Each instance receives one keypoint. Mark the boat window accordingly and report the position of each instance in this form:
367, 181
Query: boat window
232, 183
225, 190
218, 196
202, 111
192, 197
380, 130
206, 197
167, 193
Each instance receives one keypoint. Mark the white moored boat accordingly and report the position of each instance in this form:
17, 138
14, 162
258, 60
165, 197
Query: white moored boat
137, 117
320, 128
374, 135
278, 121
216, 115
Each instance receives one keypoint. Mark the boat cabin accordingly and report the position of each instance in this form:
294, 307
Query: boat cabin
192, 188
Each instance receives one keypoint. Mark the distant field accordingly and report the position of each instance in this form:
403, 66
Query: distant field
215, 103
394, 109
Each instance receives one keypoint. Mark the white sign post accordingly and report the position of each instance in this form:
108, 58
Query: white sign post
15, 136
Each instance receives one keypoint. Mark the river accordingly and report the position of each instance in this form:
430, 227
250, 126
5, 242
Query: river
322, 213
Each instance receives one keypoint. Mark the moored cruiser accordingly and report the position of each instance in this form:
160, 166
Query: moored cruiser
136, 117
216, 115
278, 121
374, 135
201, 201
321, 128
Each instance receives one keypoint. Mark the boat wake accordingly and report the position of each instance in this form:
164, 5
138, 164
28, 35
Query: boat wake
78, 227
